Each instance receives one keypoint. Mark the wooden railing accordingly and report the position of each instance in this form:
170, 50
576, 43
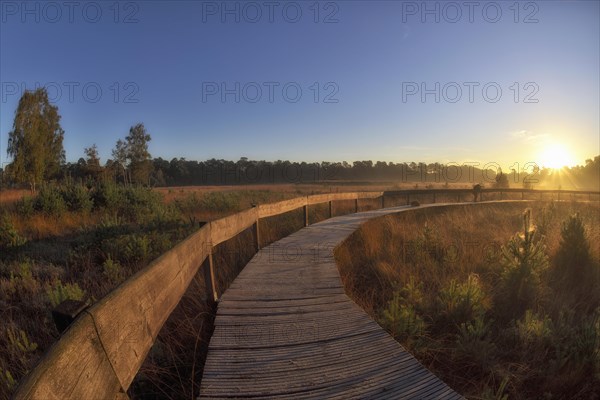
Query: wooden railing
101, 352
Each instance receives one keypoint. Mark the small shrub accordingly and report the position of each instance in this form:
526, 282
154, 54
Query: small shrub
523, 258
112, 270
572, 262
533, 330
77, 198
459, 303
7, 380
9, 237
59, 292
402, 320
474, 344
19, 343
50, 201
26, 206
108, 196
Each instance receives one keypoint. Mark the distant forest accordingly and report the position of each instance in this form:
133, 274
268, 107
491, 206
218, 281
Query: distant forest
35, 145
182, 172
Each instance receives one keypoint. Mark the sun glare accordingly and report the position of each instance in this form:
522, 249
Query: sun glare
556, 156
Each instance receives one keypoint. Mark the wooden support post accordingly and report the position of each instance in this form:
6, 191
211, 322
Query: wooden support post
407, 199
256, 236
306, 215
330, 209
356, 205
210, 279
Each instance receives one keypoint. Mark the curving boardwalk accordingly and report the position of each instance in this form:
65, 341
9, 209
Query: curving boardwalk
286, 329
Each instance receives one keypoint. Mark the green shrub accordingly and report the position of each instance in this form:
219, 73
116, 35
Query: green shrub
26, 206
533, 330
50, 201
77, 198
572, 261
112, 270
474, 344
401, 320
19, 343
108, 195
523, 259
459, 303
59, 292
7, 380
141, 204
9, 237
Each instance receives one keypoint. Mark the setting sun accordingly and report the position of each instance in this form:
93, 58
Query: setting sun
556, 156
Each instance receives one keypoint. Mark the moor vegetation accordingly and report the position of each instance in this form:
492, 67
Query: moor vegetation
74, 242
498, 301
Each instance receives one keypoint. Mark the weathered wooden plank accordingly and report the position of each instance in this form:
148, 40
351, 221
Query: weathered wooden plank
76, 367
223, 229
129, 318
272, 209
317, 198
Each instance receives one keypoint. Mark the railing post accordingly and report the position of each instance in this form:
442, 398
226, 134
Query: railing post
330, 209
356, 205
256, 236
209, 277
306, 215
407, 199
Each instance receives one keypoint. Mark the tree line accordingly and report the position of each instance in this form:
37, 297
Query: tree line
35, 145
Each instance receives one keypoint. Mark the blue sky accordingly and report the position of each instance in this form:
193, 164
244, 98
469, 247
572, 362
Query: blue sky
170, 57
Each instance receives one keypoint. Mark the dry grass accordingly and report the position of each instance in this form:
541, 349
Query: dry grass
381, 261
9, 196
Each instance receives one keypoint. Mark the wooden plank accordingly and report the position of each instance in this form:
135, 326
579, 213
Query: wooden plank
129, 318
272, 209
226, 228
76, 367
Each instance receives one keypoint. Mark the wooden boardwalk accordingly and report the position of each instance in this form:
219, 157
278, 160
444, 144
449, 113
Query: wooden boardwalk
286, 329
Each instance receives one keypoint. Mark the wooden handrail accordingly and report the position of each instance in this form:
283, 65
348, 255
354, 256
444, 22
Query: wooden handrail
101, 352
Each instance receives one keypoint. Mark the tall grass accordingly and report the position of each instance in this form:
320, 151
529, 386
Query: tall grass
499, 303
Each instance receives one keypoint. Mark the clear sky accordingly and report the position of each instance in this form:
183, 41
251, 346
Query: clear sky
178, 66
